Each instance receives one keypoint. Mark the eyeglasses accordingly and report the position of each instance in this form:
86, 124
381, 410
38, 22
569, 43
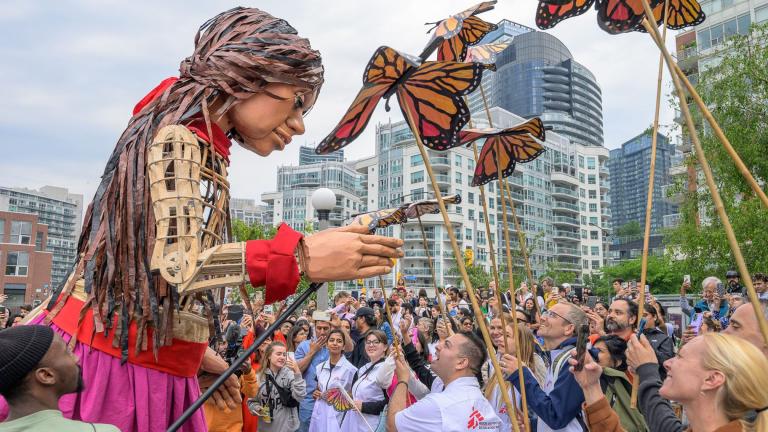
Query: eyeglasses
549, 313
372, 342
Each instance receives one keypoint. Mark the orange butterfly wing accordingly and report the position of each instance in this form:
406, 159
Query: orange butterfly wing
454, 48
383, 70
549, 14
433, 96
682, 13
517, 144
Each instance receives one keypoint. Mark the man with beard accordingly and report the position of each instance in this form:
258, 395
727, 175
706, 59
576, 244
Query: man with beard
36, 370
622, 320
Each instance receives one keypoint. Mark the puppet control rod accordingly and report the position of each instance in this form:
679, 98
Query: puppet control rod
244, 356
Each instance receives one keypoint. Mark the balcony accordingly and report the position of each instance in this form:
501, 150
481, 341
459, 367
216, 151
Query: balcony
564, 192
604, 172
418, 253
567, 265
562, 206
565, 220
605, 199
563, 178
566, 251
443, 179
605, 211
440, 161
565, 235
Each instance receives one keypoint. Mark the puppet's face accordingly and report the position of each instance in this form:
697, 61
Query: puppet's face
268, 120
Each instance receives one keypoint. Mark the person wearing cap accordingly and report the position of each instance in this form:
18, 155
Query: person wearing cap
733, 281
36, 370
365, 320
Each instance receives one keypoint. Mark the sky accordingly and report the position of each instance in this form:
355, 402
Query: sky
72, 71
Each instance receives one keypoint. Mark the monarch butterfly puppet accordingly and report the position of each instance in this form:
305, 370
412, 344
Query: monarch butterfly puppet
431, 92
381, 218
454, 34
619, 16
517, 144
420, 208
487, 53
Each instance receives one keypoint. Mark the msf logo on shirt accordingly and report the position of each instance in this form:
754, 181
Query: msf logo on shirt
476, 421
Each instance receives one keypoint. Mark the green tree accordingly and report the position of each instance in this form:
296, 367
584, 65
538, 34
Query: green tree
478, 276
663, 275
630, 229
736, 91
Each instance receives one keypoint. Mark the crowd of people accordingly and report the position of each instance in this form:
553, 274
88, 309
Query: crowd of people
414, 365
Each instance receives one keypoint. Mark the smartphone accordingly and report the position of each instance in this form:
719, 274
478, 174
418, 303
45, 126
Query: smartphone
641, 327
268, 308
581, 346
696, 322
687, 279
592, 301
291, 355
720, 289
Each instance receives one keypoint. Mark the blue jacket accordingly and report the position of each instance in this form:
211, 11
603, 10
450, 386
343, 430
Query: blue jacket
563, 404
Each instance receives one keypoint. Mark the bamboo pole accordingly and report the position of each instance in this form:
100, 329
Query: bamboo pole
440, 303
462, 269
513, 300
520, 237
395, 341
649, 200
717, 200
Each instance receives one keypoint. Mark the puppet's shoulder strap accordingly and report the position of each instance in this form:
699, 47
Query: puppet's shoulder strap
173, 170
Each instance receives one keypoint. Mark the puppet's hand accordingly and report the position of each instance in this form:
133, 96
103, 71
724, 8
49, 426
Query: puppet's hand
348, 253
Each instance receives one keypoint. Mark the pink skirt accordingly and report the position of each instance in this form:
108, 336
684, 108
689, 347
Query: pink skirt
131, 397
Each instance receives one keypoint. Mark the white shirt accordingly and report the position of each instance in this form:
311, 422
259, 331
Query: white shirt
461, 406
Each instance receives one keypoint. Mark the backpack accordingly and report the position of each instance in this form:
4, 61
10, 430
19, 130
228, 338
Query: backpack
618, 389
286, 398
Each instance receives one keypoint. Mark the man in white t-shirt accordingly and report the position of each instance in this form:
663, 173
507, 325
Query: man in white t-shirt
460, 406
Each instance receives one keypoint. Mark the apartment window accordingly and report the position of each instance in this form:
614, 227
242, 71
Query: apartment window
2, 230
471, 214
581, 161
592, 207
585, 264
468, 233
582, 207
581, 178
585, 250
417, 177
590, 163
595, 264
593, 220
594, 235
39, 242
583, 220
492, 218
595, 250
417, 194
761, 14
582, 193
592, 194
482, 216
21, 232
583, 234
592, 179
458, 177
470, 197
459, 210
17, 264
457, 160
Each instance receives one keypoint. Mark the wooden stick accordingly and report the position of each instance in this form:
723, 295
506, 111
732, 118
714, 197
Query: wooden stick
512, 299
520, 237
440, 303
702, 158
462, 269
649, 201
395, 341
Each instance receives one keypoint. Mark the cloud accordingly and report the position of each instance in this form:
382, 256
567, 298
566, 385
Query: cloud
72, 72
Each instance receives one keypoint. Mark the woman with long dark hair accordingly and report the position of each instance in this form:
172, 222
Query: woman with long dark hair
335, 373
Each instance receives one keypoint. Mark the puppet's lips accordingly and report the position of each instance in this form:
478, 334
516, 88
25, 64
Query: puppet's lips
285, 137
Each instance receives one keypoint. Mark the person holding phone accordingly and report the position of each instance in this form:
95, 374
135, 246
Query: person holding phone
713, 300
369, 386
281, 387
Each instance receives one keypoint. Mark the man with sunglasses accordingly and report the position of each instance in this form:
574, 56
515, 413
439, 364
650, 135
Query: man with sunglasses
557, 402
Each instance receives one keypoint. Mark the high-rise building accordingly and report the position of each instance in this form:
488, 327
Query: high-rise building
629, 168
699, 49
25, 262
291, 202
246, 210
61, 211
307, 156
536, 75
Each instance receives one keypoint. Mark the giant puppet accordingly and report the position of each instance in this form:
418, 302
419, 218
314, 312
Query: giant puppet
155, 252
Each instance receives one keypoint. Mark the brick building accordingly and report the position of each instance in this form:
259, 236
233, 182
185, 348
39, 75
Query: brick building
26, 265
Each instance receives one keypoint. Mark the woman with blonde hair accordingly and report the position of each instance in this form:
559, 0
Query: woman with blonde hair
281, 387
525, 351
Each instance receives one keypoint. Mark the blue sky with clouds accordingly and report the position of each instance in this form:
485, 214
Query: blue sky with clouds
72, 71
